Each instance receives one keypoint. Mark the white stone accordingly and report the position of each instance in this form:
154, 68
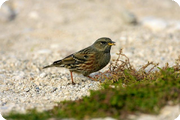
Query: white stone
33, 15
7, 13
19, 75
42, 75
154, 24
44, 51
26, 89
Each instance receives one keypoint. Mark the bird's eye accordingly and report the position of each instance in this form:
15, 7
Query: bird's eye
103, 43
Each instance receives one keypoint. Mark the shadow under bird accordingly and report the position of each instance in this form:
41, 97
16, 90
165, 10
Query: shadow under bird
87, 60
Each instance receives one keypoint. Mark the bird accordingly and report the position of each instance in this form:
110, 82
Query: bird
88, 60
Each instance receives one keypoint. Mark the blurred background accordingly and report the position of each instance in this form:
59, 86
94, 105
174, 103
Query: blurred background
146, 30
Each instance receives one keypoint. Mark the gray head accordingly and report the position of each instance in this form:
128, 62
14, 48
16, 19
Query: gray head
103, 44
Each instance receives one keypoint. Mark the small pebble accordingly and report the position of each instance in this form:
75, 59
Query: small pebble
26, 89
42, 75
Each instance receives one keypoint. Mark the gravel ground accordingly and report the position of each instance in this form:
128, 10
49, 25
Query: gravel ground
36, 33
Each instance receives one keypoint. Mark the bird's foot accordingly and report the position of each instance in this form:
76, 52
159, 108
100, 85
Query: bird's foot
73, 83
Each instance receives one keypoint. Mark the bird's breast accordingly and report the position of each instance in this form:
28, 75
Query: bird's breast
103, 60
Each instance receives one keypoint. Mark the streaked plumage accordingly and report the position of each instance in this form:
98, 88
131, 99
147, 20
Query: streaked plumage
88, 60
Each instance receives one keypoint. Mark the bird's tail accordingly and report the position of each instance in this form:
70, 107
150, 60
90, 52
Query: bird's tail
57, 63
48, 66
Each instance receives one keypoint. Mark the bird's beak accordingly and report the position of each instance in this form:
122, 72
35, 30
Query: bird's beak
112, 43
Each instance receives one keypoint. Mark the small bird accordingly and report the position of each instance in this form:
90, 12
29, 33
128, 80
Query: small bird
87, 60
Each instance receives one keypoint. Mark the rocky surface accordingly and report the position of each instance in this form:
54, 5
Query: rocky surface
35, 33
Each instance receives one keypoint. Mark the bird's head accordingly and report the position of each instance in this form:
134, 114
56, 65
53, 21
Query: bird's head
103, 44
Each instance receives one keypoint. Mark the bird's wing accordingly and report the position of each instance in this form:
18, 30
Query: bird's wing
85, 56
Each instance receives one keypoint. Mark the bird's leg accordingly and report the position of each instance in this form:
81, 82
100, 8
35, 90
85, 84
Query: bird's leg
72, 78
